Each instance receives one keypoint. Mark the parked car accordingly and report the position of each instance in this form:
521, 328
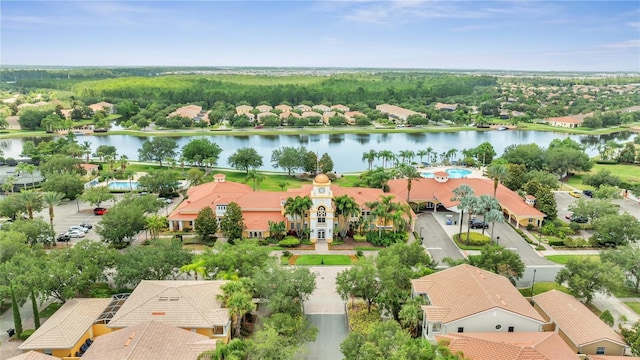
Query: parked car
478, 224
166, 200
99, 211
579, 219
575, 194
87, 225
78, 228
63, 237
74, 234
588, 193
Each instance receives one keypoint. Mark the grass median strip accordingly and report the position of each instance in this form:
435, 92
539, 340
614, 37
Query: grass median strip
326, 260
564, 259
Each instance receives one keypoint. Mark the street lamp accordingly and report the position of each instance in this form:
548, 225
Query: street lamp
534, 281
421, 238
498, 240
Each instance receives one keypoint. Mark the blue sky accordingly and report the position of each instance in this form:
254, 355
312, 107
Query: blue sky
503, 35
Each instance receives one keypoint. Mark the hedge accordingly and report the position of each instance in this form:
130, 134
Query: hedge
556, 242
289, 241
475, 239
24, 335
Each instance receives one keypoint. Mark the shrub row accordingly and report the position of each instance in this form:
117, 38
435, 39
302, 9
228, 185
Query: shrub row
289, 241
475, 239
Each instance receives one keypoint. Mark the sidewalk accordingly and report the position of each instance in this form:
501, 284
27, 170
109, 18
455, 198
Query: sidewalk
9, 349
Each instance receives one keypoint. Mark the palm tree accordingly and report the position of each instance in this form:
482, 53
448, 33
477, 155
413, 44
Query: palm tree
460, 193
385, 155
369, 157
31, 201
198, 267
297, 207
421, 154
493, 216
256, 177
8, 183
406, 155
29, 169
409, 172
383, 209
124, 161
429, 152
86, 148
238, 301
487, 203
472, 205
155, 223
52, 198
345, 208
497, 172
451, 153
235, 349
129, 174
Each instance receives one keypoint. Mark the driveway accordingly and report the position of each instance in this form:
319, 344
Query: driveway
437, 241
326, 310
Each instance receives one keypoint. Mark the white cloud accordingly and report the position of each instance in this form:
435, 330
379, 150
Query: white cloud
623, 44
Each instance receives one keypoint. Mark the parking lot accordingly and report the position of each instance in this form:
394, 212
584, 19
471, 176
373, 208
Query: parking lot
564, 200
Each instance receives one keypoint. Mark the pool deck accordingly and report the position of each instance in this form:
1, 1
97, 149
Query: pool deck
475, 172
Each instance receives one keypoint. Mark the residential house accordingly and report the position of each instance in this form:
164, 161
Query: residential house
286, 114
434, 192
261, 207
243, 109
321, 108
466, 299
149, 340
578, 326
565, 121
66, 332
340, 107
510, 346
303, 107
329, 114
307, 114
446, 107
91, 169
33, 355
187, 304
102, 105
263, 115
193, 112
284, 107
396, 112
264, 108
351, 116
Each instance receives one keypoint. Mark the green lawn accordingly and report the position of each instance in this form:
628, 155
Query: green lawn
624, 171
635, 306
50, 309
563, 259
541, 287
624, 292
367, 248
324, 260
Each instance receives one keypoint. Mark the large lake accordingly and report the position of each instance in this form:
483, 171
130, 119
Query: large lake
345, 149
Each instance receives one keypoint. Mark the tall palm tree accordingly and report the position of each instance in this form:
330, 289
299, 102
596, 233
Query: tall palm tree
497, 172
410, 173
124, 161
345, 208
297, 207
154, 224
86, 148
52, 199
197, 267
8, 183
429, 152
238, 301
383, 209
460, 193
31, 200
493, 216
406, 155
385, 155
421, 154
472, 205
256, 177
29, 169
451, 153
487, 203
369, 157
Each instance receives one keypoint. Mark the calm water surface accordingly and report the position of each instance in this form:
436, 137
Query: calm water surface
345, 149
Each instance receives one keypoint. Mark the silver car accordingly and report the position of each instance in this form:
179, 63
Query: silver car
74, 234
78, 228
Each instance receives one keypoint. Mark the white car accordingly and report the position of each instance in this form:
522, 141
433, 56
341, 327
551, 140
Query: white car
75, 234
78, 228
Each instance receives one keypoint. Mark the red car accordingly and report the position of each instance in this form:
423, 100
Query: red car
99, 211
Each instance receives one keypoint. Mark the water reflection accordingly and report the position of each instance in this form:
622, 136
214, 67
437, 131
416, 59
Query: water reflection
345, 149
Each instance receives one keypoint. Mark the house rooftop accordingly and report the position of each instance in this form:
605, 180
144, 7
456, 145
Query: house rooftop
33, 355
580, 325
67, 325
509, 346
465, 290
181, 303
149, 340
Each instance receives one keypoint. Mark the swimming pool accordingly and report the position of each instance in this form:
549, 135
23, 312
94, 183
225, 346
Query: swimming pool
123, 185
453, 173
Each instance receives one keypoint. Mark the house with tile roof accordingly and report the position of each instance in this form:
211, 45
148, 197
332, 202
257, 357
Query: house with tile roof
321, 108
149, 340
508, 346
329, 114
283, 107
102, 105
243, 109
612, 357
193, 112
340, 107
564, 121
397, 112
351, 116
578, 326
263, 115
446, 107
466, 299
264, 108
286, 114
66, 332
187, 304
261, 207
430, 193
306, 114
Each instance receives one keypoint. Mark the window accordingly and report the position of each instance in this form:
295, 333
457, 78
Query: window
460, 329
600, 350
436, 327
322, 214
511, 329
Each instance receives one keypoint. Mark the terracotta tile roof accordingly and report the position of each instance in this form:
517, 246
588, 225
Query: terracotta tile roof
353, 114
264, 108
284, 108
149, 340
466, 290
441, 106
612, 357
67, 325
564, 119
510, 346
340, 107
265, 114
33, 355
182, 303
430, 189
396, 111
101, 105
310, 114
188, 111
580, 325
286, 114
321, 107
89, 167
242, 109
259, 220
303, 107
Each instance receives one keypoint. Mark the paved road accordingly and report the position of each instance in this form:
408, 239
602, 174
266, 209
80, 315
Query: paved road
437, 241
326, 310
510, 239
